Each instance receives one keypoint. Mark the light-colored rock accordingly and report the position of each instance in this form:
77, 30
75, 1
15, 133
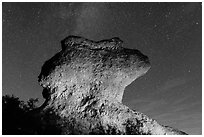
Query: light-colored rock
84, 85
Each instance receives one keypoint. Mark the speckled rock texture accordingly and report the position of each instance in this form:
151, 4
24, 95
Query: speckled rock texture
84, 85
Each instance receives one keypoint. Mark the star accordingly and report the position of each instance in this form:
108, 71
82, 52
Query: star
168, 36
155, 25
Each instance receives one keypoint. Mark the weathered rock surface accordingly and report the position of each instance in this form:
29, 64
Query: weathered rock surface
84, 85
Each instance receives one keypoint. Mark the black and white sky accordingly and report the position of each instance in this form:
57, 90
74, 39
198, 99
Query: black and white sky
170, 34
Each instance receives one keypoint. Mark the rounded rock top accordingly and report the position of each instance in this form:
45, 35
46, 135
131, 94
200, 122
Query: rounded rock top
79, 42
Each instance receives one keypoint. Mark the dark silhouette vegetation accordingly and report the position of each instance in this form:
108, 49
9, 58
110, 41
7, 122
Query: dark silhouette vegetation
18, 118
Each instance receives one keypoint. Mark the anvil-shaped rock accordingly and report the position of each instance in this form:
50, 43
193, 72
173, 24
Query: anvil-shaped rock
84, 85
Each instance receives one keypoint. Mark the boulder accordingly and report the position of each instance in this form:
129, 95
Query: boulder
84, 85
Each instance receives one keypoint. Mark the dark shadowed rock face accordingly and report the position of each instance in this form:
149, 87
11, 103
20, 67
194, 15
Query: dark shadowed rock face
84, 85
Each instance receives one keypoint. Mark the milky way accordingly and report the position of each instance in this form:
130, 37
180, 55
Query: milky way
169, 34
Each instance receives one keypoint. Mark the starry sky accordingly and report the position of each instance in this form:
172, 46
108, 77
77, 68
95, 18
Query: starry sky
170, 34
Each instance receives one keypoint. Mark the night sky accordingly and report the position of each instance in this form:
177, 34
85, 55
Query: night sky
170, 34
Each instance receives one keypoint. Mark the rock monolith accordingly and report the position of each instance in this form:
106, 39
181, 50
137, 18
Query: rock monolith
83, 86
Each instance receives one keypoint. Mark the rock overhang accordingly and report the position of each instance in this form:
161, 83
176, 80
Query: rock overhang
89, 59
